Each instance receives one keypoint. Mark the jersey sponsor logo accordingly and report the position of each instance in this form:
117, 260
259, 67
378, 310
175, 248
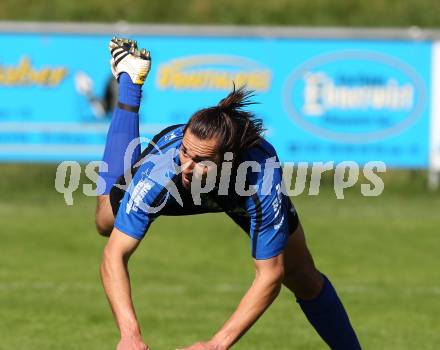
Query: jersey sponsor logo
213, 72
138, 193
276, 206
355, 96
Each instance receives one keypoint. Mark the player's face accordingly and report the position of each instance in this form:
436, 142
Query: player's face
194, 152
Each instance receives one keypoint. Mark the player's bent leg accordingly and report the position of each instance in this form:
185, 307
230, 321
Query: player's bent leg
301, 275
104, 217
316, 296
130, 66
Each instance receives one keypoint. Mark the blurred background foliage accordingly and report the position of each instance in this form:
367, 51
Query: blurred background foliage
353, 13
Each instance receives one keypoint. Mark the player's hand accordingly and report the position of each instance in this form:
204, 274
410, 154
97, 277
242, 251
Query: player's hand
202, 346
132, 343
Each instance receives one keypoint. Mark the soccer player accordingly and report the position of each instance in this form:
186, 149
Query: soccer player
226, 136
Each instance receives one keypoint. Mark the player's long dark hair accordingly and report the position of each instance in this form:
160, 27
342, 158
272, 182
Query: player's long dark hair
237, 129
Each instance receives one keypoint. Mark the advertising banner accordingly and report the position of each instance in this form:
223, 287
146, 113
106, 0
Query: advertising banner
320, 100
435, 117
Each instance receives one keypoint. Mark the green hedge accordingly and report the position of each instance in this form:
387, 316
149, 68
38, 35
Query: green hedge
371, 13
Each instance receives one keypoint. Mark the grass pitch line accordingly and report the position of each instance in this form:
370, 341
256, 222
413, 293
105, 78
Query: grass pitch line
225, 288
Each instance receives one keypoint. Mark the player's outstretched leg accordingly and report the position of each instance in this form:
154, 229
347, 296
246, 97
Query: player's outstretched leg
130, 66
316, 296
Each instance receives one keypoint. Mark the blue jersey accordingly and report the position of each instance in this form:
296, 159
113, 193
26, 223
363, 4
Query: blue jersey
156, 189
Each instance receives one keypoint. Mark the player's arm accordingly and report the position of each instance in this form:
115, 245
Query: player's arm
263, 291
116, 281
268, 239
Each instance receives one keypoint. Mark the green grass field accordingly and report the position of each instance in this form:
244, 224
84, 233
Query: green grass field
190, 272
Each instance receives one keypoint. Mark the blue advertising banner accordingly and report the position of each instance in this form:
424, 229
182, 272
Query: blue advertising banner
320, 100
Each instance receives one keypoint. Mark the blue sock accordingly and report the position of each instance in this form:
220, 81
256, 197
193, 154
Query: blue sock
327, 315
123, 129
